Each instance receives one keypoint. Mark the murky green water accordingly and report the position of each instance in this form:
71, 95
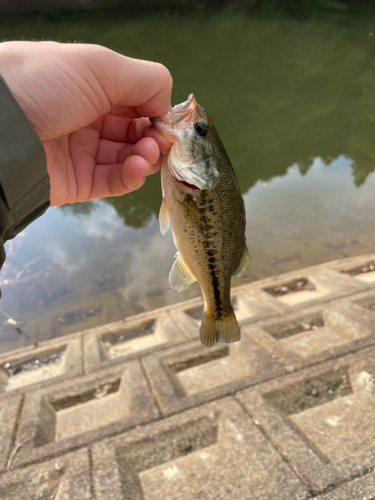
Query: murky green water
294, 103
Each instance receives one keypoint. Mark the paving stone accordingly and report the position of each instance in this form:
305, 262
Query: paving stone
249, 305
362, 488
211, 452
321, 419
314, 429
64, 478
68, 415
31, 366
140, 334
9, 410
368, 354
360, 268
316, 286
314, 334
191, 374
364, 302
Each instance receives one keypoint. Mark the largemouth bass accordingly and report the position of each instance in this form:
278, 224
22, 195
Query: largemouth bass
202, 203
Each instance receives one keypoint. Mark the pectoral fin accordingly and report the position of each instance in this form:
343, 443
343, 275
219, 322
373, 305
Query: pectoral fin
180, 277
164, 217
244, 268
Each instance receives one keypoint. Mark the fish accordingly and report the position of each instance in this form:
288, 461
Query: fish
203, 205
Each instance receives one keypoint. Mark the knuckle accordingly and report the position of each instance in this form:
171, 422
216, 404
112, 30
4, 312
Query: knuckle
164, 75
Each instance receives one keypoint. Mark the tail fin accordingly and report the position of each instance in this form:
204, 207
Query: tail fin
224, 329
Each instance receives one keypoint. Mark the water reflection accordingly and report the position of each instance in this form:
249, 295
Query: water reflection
294, 104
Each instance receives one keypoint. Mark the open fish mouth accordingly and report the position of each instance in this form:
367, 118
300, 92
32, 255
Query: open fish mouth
180, 113
187, 184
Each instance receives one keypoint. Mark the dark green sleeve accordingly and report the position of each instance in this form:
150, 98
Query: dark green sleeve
24, 182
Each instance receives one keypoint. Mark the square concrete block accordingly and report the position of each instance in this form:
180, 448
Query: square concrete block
71, 414
312, 286
191, 374
362, 488
368, 354
314, 334
140, 334
364, 302
249, 305
350, 262
322, 419
211, 452
53, 360
360, 268
64, 478
9, 410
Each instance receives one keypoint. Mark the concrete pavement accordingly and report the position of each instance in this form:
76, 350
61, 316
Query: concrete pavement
139, 409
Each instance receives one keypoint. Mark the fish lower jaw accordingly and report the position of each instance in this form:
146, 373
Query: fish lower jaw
186, 184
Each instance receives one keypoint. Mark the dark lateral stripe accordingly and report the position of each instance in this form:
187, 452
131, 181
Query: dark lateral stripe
210, 252
215, 282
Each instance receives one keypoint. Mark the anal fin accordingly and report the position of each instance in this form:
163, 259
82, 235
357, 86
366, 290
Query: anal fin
244, 268
164, 217
180, 276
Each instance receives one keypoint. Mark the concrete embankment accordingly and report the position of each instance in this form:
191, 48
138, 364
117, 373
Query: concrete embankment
140, 409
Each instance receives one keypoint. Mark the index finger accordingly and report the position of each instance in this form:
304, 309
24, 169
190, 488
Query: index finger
143, 85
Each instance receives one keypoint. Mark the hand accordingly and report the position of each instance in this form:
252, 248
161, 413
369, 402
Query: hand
86, 104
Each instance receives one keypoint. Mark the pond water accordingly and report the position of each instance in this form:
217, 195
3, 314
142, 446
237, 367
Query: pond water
294, 103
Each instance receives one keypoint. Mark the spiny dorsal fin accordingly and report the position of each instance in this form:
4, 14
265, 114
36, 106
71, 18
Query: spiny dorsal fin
164, 217
180, 277
244, 268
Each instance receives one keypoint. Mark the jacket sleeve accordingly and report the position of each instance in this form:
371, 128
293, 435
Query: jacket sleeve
24, 182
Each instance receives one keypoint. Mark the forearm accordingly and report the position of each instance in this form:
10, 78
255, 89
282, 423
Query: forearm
24, 182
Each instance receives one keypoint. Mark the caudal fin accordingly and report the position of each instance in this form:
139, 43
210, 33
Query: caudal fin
224, 329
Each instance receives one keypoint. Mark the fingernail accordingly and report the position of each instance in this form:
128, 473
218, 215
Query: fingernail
157, 156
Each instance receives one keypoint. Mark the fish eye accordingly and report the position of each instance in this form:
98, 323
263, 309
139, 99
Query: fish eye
201, 128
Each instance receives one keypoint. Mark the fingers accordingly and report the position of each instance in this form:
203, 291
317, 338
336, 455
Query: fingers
121, 138
163, 144
134, 163
143, 85
114, 152
119, 129
116, 180
114, 128
71, 85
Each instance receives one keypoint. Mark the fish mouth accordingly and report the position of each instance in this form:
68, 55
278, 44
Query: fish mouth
186, 184
180, 111
176, 120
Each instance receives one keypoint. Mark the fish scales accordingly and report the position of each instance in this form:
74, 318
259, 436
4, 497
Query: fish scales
204, 207
209, 235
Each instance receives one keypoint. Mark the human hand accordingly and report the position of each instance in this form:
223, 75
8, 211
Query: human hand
86, 104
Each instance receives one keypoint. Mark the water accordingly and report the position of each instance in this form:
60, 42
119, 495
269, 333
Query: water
294, 103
